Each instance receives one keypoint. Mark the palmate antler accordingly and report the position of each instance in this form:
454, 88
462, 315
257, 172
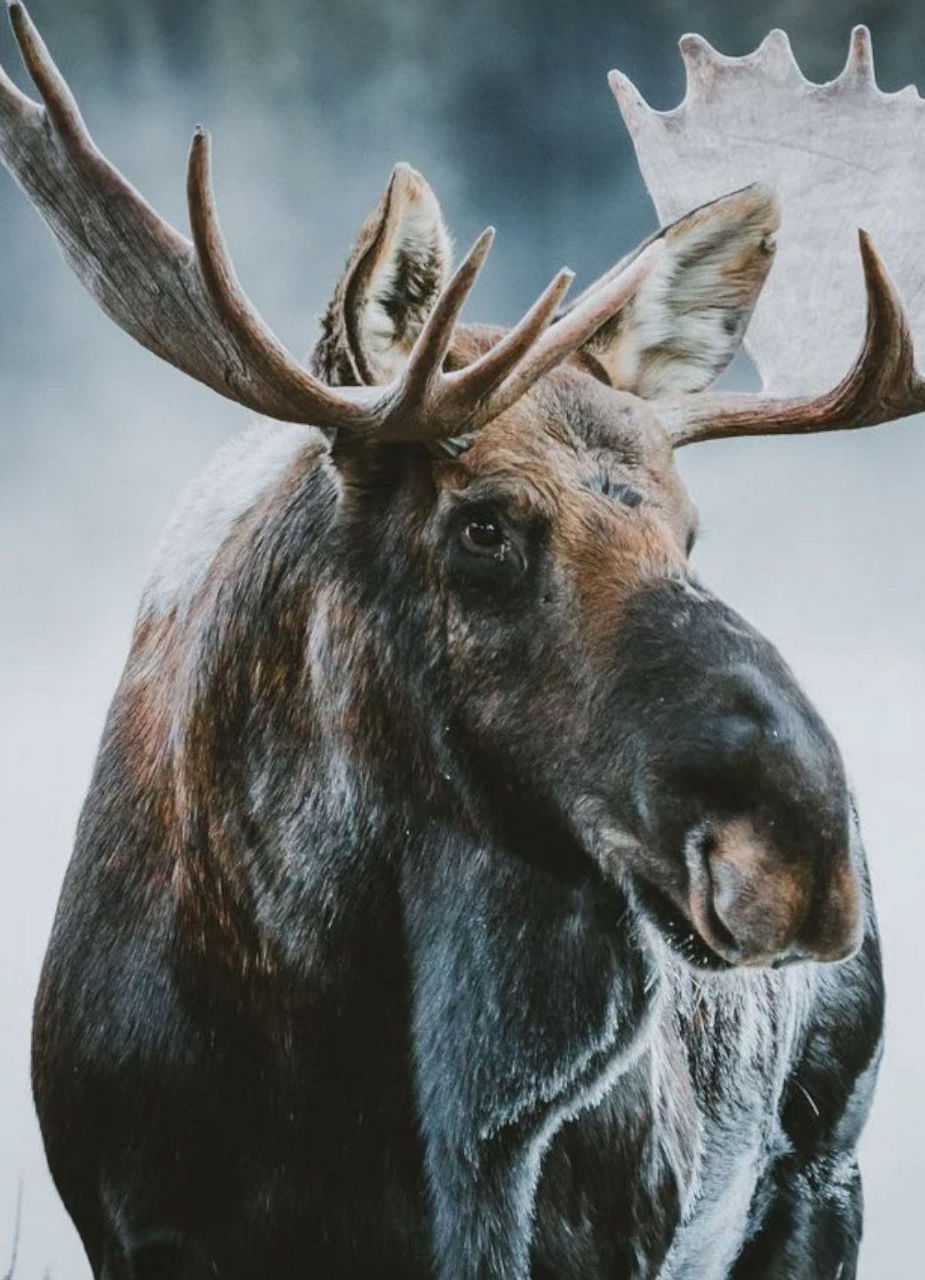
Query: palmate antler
840, 155
182, 300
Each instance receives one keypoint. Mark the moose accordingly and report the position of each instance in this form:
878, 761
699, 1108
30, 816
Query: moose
463, 890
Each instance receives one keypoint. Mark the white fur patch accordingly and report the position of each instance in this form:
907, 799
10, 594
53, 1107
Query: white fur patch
750, 1036
231, 483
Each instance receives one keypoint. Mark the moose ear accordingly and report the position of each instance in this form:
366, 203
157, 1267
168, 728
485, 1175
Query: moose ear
688, 318
399, 264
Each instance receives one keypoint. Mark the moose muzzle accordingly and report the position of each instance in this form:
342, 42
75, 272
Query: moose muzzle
738, 788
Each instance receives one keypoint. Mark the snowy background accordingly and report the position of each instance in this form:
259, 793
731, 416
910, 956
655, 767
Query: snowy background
504, 106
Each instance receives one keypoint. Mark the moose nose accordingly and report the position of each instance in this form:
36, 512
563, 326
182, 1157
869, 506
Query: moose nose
735, 776
754, 905
770, 876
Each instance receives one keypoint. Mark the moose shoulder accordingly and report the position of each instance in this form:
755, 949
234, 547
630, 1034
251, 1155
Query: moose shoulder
463, 890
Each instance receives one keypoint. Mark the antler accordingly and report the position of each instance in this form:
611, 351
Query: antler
840, 155
182, 300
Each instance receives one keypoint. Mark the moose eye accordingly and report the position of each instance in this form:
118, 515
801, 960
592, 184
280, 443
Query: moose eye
487, 552
482, 535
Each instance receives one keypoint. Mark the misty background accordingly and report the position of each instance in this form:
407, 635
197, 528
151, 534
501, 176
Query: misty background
504, 107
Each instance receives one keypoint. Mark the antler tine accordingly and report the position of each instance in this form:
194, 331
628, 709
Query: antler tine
881, 386
463, 401
837, 151
572, 331
448, 406
13, 102
59, 101
433, 342
310, 399
27, 140
141, 270
859, 67
481, 377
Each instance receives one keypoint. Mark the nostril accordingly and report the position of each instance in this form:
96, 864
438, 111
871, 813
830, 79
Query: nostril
705, 902
730, 895
747, 902
721, 933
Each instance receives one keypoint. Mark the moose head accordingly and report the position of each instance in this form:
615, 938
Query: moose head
502, 619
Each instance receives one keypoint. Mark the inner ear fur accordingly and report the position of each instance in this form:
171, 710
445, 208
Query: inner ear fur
688, 318
400, 262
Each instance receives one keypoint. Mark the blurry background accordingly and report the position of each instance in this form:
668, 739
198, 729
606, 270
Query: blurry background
503, 105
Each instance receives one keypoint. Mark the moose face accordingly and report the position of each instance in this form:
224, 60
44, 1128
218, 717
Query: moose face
598, 689
612, 709
615, 714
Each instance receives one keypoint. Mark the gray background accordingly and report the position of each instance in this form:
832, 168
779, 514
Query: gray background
504, 107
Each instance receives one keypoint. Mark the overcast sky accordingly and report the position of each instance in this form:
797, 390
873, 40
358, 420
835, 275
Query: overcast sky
504, 107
